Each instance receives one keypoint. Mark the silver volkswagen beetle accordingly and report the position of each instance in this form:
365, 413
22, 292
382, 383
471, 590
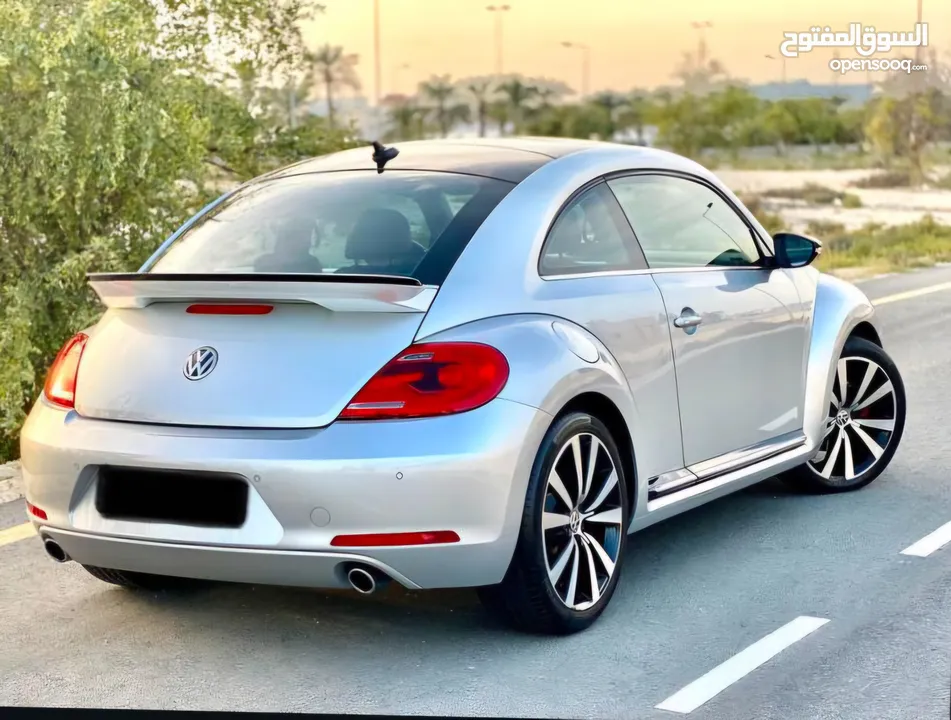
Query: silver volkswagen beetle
451, 364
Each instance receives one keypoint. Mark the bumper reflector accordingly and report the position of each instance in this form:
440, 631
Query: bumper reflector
36, 512
434, 537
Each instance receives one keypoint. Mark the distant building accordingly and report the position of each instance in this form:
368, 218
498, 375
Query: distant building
852, 93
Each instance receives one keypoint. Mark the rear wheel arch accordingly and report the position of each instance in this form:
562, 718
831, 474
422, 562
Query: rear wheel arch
604, 409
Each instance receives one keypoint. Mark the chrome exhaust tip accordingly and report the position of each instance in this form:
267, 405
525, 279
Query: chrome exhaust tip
366, 579
54, 550
361, 580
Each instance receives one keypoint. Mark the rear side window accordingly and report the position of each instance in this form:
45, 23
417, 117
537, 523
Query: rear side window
587, 237
410, 224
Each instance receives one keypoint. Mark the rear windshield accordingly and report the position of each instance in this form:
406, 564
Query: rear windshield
409, 224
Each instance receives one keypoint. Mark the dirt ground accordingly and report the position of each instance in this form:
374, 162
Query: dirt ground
887, 206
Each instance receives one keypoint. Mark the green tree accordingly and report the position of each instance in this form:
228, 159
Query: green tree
685, 123
779, 125
635, 114
733, 112
500, 112
578, 120
114, 128
612, 104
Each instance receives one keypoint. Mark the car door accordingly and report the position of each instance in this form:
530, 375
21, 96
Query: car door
737, 329
594, 274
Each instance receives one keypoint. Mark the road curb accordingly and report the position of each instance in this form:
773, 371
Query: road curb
11, 482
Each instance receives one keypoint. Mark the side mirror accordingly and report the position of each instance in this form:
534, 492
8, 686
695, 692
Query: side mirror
793, 251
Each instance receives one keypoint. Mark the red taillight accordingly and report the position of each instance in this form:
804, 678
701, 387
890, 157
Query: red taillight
219, 309
36, 512
434, 537
60, 387
431, 379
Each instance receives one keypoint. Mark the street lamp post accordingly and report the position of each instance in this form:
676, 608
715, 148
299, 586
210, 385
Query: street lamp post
397, 76
585, 65
701, 27
377, 71
498, 11
918, 48
783, 61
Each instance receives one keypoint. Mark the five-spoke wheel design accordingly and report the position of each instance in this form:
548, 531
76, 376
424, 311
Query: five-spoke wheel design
582, 521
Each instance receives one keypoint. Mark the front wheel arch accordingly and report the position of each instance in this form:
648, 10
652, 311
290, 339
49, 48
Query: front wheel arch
866, 331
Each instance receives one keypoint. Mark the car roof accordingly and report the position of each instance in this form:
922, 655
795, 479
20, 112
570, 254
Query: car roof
508, 159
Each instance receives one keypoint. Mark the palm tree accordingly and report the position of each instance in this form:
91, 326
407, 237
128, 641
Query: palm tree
699, 75
441, 91
480, 90
611, 103
518, 94
499, 112
406, 119
634, 115
335, 71
550, 92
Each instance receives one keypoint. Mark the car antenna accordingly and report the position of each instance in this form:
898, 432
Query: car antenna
382, 155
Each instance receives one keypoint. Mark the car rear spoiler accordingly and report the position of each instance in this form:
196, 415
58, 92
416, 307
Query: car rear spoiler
337, 292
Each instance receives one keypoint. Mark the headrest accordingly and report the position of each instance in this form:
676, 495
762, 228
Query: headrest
568, 234
380, 236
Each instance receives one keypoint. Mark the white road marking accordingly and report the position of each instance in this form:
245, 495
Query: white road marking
740, 665
909, 294
931, 542
17, 532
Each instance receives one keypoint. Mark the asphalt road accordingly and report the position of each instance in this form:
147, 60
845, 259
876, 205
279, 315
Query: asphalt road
696, 591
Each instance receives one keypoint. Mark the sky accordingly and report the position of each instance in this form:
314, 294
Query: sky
634, 43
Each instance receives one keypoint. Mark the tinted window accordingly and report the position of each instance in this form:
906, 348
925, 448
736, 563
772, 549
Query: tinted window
410, 224
586, 237
681, 223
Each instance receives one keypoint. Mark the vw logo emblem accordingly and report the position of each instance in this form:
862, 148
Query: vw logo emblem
200, 363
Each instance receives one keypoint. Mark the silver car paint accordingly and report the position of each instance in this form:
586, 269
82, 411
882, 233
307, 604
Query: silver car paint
296, 367
746, 313
467, 472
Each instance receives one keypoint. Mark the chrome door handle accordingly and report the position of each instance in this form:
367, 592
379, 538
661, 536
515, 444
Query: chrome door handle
688, 320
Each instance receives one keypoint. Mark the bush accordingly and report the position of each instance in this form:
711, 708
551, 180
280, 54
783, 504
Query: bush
851, 201
919, 244
109, 121
886, 179
770, 221
816, 195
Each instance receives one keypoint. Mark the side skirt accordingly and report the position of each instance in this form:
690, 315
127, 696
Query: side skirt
672, 493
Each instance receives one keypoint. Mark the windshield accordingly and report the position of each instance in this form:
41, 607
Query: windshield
410, 224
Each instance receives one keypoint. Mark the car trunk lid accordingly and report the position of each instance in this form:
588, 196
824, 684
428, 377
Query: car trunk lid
295, 365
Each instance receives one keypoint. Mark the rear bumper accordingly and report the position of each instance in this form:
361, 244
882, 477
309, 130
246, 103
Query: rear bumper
244, 565
467, 473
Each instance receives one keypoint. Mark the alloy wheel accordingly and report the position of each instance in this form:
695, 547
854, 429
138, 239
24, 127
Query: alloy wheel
582, 521
861, 423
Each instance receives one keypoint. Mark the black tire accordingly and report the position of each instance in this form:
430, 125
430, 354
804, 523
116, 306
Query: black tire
141, 581
527, 599
808, 477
